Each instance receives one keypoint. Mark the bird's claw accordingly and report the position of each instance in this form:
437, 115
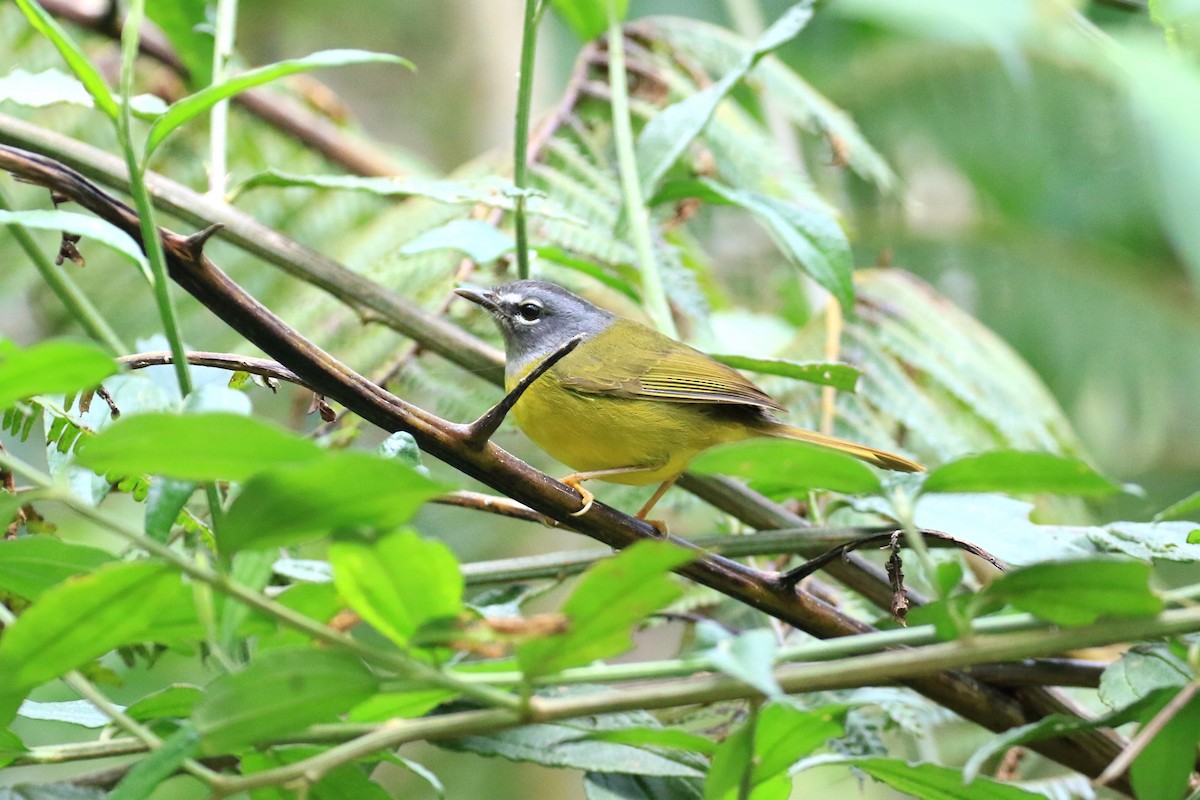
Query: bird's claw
586, 497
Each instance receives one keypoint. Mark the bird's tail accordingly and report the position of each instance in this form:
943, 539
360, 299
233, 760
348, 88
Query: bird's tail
877, 458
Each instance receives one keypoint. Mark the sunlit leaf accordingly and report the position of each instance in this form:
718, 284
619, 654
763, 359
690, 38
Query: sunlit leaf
398, 583
51, 367
198, 447
30, 565
174, 702
1016, 472
92, 80
280, 691
781, 466
608, 601
300, 501
195, 104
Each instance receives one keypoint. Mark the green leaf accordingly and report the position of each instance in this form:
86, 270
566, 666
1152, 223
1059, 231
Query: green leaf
1079, 592
252, 569
400, 705
398, 583
1016, 472
842, 377
1164, 767
344, 782
82, 619
97, 229
671, 738
51, 367
1169, 541
779, 737
39, 89
281, 691
11, 747
195, 104
809, 236
475, 238
749, 657
933, 782
615, 786
563, 745
492, 192
589, 18
609, 600
10, 504
141, 781
1187, 508
667, 135
296, 502
187, 26
166, 499
1143, 670
51, 791
30, 565
198, 447
781, 466
92, 80
174, 702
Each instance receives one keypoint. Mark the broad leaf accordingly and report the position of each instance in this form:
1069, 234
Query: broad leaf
30, 565
589, 18
293, 503
198, 447
1080, 592
280, 691
398, 583
840, 376
779, 736
1165, 766
51, 367
174, 702
193, 105
1016, 472
1141, 671
92, 80
609, 600
778, 467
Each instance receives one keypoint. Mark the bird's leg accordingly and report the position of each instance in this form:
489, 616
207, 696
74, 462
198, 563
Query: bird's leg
658, 524
480, 431
576, 479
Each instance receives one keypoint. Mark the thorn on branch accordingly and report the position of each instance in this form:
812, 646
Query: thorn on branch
481, 430
195, 243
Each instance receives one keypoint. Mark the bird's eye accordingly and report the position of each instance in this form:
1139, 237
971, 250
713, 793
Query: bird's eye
530, 311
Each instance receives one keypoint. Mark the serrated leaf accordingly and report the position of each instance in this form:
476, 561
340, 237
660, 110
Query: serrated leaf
51, 367
782, 466
397, 600
589, 18
1079, 592
1016, 472
667, 135
30, 565
296, 502
842, 377
92, 80
475, 238
182, 111
609, 600
281, 691
199, 447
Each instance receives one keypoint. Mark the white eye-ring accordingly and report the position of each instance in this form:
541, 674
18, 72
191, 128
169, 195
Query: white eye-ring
529, 311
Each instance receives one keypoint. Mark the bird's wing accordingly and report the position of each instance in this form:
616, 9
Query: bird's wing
651, 366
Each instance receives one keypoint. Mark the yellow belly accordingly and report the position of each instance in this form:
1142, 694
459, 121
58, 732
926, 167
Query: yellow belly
592, 432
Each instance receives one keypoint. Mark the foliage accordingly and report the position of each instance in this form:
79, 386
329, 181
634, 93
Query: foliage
259, 588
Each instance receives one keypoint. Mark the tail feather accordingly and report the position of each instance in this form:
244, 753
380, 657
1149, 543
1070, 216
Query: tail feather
878, 458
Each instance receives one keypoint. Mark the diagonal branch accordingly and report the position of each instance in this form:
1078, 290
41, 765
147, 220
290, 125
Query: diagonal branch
977, 701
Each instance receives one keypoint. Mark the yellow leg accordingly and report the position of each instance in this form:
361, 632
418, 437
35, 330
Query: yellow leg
576, 479
658, 524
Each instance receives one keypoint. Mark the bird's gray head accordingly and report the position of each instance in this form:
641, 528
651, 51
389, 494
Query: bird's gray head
536, 317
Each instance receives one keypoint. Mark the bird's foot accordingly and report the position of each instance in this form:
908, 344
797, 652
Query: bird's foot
585, 496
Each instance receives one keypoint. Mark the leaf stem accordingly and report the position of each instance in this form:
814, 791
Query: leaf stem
533, 13
66, 290
636, 213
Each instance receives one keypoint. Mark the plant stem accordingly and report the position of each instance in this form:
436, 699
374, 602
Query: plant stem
218, 127
521, 136
151, 242
66, 290
636, 213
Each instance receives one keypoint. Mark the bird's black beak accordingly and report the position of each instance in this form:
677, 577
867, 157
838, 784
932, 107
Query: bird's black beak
483, 297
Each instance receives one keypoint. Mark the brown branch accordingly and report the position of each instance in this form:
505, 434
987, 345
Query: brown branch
263, 367
1042, 672
354, 153
494, 467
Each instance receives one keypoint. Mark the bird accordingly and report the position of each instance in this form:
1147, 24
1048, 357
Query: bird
629, 404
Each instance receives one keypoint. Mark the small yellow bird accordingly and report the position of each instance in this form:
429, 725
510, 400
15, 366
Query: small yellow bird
629, 405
